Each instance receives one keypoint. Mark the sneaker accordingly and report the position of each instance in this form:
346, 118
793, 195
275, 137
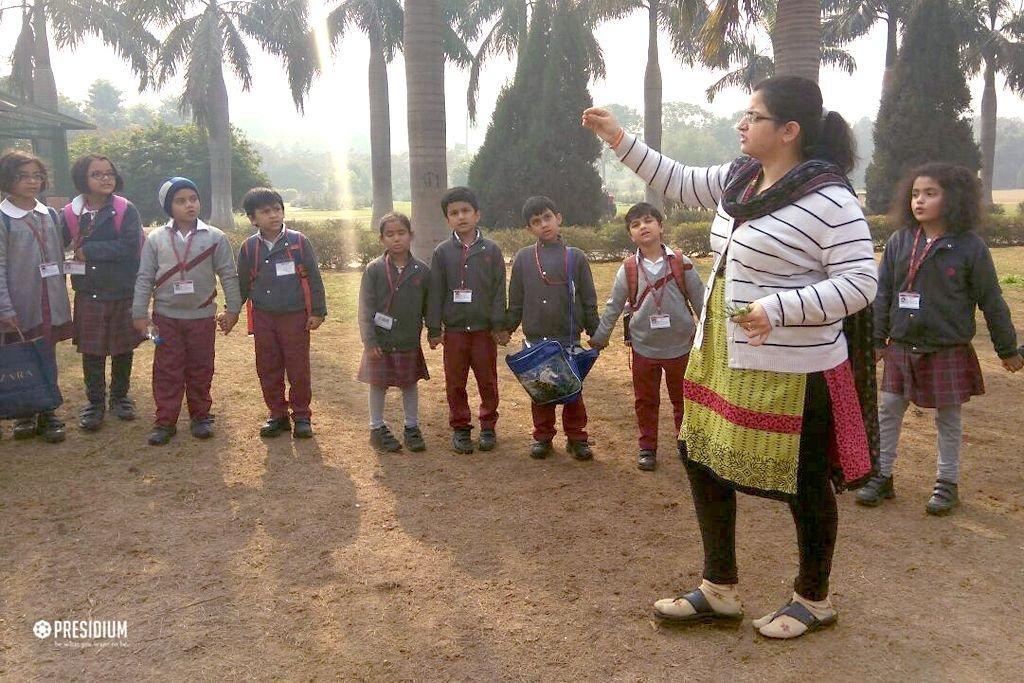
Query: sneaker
91, 417
49, 428
162, 434
275, 426
413, 438
203, 427
24, 428
461, 441
488, 440
383, 441
123, 408
877, 489
580, 450
944, 498
646, 460
540, 450
303, 428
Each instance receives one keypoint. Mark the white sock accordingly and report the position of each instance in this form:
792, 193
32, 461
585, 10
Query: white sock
723, 598
785, 626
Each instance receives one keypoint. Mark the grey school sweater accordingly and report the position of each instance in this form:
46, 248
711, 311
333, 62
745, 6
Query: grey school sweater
670, 342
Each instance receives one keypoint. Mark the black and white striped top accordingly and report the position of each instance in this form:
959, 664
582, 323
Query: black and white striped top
810, 263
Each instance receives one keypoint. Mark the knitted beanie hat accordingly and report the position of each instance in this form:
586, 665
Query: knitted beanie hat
170, 187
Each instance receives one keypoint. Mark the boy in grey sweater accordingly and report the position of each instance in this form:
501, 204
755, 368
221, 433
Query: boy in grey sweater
659, 288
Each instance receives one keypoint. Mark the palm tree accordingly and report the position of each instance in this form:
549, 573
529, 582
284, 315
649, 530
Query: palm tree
994, 43
848, 20
204, 41
382, 22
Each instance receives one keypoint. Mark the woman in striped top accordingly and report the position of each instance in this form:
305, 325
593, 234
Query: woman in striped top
771, 405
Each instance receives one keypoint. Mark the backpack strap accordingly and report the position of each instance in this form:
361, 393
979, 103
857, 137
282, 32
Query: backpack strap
300, 269
71, 220
253, 271
679, 268
632, 279
120, 208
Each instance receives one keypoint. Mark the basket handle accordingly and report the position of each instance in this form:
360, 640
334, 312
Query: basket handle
3, 337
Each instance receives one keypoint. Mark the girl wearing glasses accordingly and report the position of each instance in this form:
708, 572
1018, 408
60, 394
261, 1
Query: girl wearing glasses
771, 389
33, 295
104, 233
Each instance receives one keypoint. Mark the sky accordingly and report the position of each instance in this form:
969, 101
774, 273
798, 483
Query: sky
337, 115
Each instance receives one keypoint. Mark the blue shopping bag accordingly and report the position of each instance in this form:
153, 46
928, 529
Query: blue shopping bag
550, 372
28, 378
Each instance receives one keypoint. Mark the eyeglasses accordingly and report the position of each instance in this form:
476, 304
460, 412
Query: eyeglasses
752, 117
103, 175
25, 177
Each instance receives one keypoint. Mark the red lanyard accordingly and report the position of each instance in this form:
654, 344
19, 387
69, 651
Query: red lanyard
30, 220
543, 276
392, 285
915, 263
653, 285
465, 258
182, 260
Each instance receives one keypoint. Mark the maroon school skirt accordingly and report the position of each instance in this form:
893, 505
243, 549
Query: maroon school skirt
395, 369
929, 380
104, 328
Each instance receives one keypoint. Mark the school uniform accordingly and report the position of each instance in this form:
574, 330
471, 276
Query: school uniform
661, 331
32, 284
467, 300
281, 281
104, 285
179, 273
539, 300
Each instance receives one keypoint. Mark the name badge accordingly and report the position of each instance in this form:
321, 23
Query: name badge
75, 267
383, 321
911, 300
49, 269
660, 322
462, 296
285, 267
184, 287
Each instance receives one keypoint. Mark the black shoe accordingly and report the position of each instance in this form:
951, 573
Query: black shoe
579, 450
540, 450
123, 408
646, 461
91, 417
49, 428
24, 428
944, 498
383, 441
877, 489
275, 426
203, 427
161, 434
461, 441
488, 440
303, 428
413, 438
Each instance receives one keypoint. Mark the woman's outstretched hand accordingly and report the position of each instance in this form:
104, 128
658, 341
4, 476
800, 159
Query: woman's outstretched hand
602, 122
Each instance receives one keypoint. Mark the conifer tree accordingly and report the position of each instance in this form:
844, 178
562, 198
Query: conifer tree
925, 115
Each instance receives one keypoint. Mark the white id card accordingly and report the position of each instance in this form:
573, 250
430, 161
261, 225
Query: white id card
462, 296
184, 287
49, 269
911, 300
660, 322
383, 321
285, 267
75, 267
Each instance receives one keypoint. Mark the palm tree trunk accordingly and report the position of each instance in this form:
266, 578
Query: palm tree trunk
653, 94
380, 136
218, 142
44, 87
988, 131
891, 46
796, 40
424, 76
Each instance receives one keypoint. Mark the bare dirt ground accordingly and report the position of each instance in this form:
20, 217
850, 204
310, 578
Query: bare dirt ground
250, 558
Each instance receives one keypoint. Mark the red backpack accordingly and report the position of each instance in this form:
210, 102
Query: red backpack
677, 269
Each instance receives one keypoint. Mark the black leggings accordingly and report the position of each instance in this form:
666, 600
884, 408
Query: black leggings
814, 507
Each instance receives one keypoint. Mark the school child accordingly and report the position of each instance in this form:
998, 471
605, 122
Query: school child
466, 313
33, 294
392, 303
103, 231
934, 271
180, 265
538, 298
279, 280
661, 293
